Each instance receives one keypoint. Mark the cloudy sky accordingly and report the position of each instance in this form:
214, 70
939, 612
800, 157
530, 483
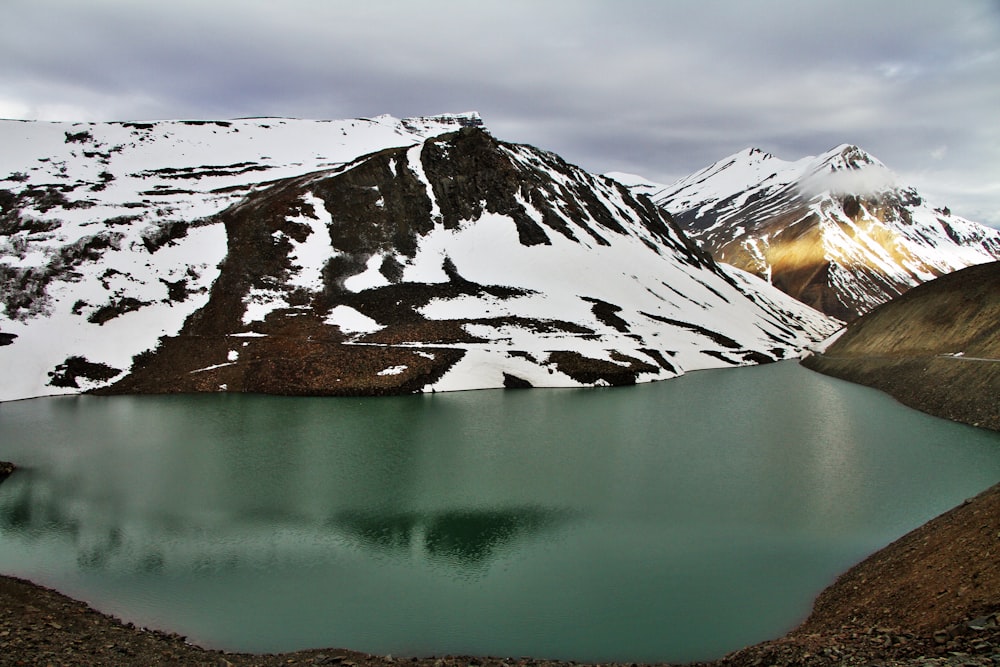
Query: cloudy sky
657, 88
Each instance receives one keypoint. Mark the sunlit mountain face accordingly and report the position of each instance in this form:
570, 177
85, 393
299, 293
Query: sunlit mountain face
837, 231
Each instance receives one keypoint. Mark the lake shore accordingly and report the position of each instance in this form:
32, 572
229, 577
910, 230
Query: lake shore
930, 598
935, 348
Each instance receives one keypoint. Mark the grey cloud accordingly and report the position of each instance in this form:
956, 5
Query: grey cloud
657, 88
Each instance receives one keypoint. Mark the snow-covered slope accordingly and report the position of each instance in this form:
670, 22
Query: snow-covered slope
835, 231
283, 262
100, 219
185, 169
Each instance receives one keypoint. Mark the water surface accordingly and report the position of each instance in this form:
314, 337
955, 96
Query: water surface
673, 521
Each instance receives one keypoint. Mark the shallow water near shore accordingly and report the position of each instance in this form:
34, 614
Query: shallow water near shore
674, 521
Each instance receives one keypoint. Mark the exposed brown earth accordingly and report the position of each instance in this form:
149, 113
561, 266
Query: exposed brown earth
936, 348
942, 386
290, 363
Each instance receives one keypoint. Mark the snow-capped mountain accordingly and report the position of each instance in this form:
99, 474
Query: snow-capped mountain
266, 255
835, 231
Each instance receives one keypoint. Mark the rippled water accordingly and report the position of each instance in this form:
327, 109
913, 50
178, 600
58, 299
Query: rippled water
673, 521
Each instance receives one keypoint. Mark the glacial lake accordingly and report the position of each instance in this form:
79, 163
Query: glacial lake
672, 521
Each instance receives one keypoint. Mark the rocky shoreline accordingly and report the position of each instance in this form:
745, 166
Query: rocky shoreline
931, 598
39, 626
939, 384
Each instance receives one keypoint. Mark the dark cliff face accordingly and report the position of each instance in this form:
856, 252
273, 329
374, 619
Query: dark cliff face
935, 348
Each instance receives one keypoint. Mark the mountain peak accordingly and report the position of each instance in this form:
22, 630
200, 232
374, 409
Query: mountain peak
463, 119
757, 153
837, 231
847, 170
849, 156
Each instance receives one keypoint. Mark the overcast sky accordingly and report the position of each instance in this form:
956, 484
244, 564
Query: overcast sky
659, 89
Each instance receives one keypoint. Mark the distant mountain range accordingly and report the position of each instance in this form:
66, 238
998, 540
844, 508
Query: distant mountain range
835, 231
362, 256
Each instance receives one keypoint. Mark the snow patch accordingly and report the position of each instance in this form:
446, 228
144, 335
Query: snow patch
309, 257
210, 368
260, 303
417, 167
370, 278
351, 321
824, 344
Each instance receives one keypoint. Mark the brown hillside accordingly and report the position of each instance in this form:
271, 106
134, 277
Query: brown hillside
935, 348
938, 575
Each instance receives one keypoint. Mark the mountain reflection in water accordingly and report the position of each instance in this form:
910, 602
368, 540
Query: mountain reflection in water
467, 538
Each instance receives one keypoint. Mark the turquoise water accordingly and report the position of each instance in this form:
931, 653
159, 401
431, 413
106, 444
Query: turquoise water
674, 521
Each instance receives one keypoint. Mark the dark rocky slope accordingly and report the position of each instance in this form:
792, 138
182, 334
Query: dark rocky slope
936, 348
